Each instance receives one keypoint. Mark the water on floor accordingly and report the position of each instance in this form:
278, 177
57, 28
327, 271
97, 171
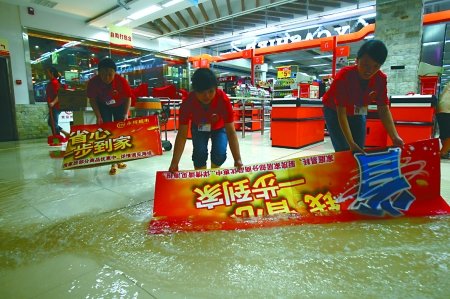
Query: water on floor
83, 234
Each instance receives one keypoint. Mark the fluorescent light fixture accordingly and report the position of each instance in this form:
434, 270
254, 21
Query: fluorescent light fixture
321, 64
145, 12
349, 13
124, 22
430, 43
322, 56
170, 3
144, 33
283, 61
323, 75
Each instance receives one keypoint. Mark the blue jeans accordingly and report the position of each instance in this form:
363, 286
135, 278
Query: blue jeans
357, 125
200, 140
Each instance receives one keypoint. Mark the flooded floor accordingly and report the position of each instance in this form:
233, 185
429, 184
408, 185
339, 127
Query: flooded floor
83, 234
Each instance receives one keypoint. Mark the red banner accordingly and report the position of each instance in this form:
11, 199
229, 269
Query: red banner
317, 189
113, 142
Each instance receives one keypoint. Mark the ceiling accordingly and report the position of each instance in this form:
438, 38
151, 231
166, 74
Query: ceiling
208, 26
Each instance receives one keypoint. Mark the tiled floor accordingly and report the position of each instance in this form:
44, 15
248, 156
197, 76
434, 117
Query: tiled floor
46, 213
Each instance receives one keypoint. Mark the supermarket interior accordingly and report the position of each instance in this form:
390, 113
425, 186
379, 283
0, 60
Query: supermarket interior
82, 233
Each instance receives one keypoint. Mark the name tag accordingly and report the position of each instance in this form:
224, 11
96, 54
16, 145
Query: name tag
360, 110
110, 102
204, 127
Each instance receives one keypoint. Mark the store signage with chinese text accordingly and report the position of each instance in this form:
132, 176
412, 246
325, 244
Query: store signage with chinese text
113, 142
333, 187
121, 36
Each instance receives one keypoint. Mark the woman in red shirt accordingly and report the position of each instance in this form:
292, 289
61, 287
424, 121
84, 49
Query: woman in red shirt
51, 93
211, 115
347, 100
110, 97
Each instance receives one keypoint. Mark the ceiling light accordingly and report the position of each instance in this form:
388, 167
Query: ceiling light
145, 12
321, 64
124, 22
322, 56
283, 61
170, 3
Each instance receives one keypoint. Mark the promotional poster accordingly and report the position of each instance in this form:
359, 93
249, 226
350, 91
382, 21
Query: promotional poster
382, 184
113, 142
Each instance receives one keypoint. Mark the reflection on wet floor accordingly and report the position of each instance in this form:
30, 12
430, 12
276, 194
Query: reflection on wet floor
83, 234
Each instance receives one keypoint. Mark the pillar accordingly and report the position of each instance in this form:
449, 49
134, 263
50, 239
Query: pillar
399, 23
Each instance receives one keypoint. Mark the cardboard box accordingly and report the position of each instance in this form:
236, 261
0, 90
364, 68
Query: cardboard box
73, 100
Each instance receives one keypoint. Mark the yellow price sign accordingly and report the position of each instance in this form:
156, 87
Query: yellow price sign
283, 72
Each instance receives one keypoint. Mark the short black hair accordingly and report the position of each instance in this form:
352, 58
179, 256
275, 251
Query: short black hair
376, 49
107, 63
54, 71
203, 79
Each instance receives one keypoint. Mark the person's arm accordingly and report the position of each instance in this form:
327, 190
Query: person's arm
345, 127
127, 107
94, 106
388, 123
178, 148
234, 144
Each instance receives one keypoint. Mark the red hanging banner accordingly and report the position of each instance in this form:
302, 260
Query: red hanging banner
325, 188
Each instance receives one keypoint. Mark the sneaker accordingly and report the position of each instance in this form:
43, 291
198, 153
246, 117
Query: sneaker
122, 165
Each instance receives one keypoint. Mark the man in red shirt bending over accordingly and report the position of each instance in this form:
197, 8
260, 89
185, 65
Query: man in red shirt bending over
353, 89
211, 115
110, 97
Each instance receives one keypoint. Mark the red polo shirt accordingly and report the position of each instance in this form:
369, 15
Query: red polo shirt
218, 113
346, 90
118, 89
51, 91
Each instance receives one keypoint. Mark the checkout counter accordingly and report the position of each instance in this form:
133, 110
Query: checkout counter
413, 117
296, 122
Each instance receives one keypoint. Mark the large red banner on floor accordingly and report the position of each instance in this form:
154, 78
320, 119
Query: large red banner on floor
113, 142
333, 187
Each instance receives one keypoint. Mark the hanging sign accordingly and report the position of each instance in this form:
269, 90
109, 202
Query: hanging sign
113, 142
343, 51
4, 47
258, 59
333, 187
121, 36
204, 63
326, 46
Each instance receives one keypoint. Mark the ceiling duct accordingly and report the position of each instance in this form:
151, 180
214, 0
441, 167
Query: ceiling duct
122, 4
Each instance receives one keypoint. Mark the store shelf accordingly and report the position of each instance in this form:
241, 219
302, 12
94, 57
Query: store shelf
250, 113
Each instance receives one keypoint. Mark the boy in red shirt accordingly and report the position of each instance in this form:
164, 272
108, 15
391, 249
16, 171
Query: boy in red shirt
110, 97
347, 100
211, 115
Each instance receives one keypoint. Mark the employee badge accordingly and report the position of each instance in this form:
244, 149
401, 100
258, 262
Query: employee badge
360, 110
110, 102
204, 127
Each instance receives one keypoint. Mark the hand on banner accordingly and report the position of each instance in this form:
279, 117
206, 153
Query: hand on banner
356, 149
173, 168
238, 163
397, 141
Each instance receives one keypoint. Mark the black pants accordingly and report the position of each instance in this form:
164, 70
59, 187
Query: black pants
110, 114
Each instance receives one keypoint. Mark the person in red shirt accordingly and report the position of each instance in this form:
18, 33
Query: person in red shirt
110, 97
51, 93
352, 90
211, 115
